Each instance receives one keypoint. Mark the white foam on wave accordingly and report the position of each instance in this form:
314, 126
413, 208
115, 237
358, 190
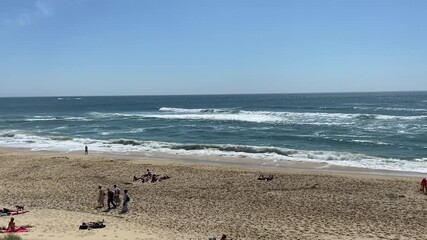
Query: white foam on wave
101, 115
39, 118
56, 118
14, 138
69, 98
311, 118
257, 118
370, 142
196, 110
397, 109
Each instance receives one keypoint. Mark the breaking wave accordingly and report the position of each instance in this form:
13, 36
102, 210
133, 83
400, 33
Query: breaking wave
256, 116
62, 143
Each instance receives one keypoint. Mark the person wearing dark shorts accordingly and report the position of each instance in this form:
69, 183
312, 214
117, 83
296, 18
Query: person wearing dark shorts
110, 199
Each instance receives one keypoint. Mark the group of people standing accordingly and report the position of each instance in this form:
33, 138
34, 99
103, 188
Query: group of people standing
113, 198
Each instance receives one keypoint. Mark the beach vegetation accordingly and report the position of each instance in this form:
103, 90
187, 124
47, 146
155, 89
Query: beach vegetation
11, 237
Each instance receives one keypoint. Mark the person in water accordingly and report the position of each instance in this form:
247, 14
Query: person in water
86, 150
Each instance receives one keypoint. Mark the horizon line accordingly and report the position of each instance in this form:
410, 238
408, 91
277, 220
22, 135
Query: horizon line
213, 94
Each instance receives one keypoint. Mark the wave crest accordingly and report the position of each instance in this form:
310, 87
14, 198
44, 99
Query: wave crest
200, 110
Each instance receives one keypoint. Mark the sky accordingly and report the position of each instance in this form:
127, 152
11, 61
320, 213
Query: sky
168, 47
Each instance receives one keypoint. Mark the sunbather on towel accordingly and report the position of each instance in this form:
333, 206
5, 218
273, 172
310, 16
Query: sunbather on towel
11, 227
4, 211
8, 212
164, 177
89, 225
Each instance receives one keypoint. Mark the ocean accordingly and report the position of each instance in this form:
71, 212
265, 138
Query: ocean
370, 130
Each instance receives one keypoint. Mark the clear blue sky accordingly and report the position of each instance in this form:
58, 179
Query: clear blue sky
146, 47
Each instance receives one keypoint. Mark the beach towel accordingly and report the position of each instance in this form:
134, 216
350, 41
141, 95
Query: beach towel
18, 212
13, 212
19, 230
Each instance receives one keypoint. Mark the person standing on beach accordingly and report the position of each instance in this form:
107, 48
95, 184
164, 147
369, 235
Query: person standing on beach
424, 186
110, 199
101, 197
116, 195
126, 200
86, 150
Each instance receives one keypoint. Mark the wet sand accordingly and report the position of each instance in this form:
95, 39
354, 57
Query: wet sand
208, 199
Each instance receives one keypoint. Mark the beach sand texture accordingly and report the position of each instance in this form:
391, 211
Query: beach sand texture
201, 201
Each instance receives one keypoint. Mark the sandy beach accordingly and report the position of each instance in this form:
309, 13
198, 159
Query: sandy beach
206, 200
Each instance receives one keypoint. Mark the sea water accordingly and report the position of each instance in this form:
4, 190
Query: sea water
370, 130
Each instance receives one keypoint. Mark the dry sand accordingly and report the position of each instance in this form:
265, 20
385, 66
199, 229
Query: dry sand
201, 201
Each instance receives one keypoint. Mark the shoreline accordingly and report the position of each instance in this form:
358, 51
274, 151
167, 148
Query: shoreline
241, 163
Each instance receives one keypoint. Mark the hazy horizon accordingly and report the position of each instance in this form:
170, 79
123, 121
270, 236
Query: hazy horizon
213, 94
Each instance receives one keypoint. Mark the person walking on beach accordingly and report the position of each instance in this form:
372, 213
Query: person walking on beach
116, 195
86, 150
126, 200
101, 197
110, 199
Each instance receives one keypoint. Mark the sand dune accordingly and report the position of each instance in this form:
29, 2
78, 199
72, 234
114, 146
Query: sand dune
200, 201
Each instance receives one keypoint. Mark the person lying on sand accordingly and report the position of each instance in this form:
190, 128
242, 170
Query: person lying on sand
4, 210
268, 178
148, 174
163, 177
90, 225
152, 178
7, 212
143, 178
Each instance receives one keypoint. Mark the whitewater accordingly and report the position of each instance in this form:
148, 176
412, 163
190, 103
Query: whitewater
369, 130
